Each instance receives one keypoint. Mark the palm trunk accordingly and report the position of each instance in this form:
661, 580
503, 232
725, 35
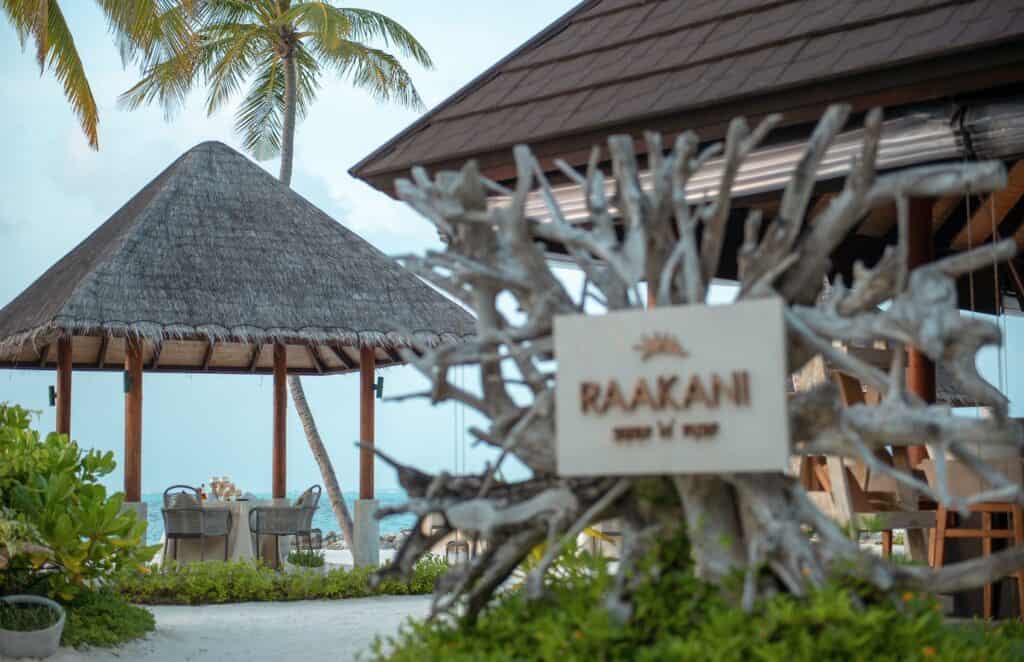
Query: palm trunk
288, 129
316, 444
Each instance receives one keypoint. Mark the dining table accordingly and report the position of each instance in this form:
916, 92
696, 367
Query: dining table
241, 541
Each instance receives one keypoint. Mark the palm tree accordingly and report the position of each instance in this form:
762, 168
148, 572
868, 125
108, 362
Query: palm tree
281, 49
131, 21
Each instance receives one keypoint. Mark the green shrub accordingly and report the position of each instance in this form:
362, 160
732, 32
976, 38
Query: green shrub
678, 617
308, 559
26, 617
104, 618
52, 488
216, 582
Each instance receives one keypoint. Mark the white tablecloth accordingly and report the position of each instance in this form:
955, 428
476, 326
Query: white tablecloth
241, 543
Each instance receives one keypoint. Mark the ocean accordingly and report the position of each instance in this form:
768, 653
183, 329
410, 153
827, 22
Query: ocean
323, 519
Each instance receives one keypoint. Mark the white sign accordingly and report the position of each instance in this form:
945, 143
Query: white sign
675, 390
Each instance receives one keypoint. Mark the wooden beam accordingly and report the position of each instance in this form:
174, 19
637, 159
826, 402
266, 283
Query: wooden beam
208, 355
394, 355
133, 420
158, 348
991, 212
64, 366
101, 356
43, 355
256, 351
920, 370
1016, 281
280, 459
343, 357
314, 356
367, 366
941, 210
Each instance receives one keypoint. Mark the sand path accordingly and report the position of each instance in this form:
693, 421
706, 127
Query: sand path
257, 631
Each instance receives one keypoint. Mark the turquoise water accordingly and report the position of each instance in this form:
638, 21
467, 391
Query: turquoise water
323, 520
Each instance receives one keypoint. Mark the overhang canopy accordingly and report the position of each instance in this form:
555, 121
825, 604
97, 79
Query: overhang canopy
212, 262
624, 66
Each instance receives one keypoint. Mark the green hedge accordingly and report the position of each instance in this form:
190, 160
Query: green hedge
104, 618
216, 582
678, 617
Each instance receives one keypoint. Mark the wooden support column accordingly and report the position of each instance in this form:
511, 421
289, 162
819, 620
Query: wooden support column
133, 420
367, 366
64, 385
920, 370
280, 421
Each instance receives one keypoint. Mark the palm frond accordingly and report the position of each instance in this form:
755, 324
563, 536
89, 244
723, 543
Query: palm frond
235, 61
371, 69
166, 81
331, 25
43, 22
138, 26
30, 19
260, 117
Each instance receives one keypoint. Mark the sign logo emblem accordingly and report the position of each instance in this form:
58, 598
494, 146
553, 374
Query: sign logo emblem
660, 344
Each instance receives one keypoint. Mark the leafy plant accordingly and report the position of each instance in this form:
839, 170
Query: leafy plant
18, 537
104, 618
51, 487
216, 582
26, 617
308, 559
676, 616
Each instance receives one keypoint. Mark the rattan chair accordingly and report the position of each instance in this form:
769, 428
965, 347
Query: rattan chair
185, 518
295, 520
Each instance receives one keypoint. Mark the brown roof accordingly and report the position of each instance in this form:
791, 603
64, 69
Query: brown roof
608, 64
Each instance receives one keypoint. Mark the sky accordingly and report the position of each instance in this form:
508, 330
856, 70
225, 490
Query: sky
55, 190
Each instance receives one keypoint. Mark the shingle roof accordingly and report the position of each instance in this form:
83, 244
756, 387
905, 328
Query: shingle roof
215, 248
610, 62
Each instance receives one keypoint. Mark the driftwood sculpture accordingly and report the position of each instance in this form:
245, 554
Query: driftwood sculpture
752, 524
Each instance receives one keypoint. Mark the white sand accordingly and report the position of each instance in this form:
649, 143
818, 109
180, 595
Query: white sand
257, 631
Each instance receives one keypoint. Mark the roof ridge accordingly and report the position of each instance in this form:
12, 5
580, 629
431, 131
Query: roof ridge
696, 63
553, 28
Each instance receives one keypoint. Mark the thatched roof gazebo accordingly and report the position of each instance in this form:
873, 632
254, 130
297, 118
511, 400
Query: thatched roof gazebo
216, 266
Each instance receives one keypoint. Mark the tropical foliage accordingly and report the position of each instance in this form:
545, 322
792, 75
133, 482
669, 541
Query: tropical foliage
26, 617
676, 616
104, 618
50, 490
217, 582
310, 559
42, 22
275, 52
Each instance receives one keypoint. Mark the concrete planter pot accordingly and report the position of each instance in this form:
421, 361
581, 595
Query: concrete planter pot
34, 643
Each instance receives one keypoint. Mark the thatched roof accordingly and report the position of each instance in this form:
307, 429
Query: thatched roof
216, 250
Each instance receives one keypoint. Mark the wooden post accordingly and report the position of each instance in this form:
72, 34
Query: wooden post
367, 366
280, 420
133, 420
64, 385
920, 370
